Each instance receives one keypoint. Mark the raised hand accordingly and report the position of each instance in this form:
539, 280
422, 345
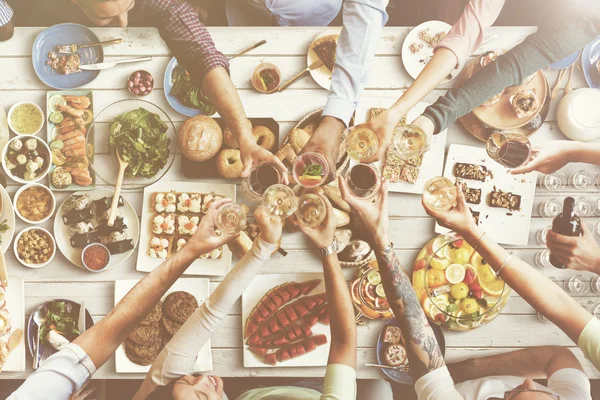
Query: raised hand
549, 157
459, 219
270, 227
206, 238
322, 235
326, 140
576, 252
253, 154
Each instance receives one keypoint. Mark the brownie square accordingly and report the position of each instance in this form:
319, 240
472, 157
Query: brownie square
409, 173
500, 199
471, 171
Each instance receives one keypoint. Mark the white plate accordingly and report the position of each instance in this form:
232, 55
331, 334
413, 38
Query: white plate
199, 288
502, 225
63, 240
321, 75
15, 305
433, 160
415, 63
145, 263
260, 285
7, 214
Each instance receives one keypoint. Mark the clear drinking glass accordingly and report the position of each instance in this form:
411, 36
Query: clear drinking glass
598, 181
439, 193
550, 208
595, 284
543, 319
310, 169
261, 176
595, 310
583, 207
541, 235
580, 180
279, 201
362, 143
311, 210
542, 259
596, 230
575, 285
508, 149
552, 182
230, 219
363, 181
410, 141
596, 205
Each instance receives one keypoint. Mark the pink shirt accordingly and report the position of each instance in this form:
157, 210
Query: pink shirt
467, 33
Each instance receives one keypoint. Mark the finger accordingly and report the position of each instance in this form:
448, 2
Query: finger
329, 217
248, 162
529, 166
461, 202
87, 392
561, 239
383, 194
215, 205
584, 229
346, 196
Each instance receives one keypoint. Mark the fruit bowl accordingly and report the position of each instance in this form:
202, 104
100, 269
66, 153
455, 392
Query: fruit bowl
367, 292
458, 290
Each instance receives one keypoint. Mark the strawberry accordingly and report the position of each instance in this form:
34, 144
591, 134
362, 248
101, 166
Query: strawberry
458, 243
474, 287
420, 265
478, 294
469, 276
441, 318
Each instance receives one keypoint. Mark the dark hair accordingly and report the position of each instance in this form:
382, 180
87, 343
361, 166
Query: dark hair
163, 392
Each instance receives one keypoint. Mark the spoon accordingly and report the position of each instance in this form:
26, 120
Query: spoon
115, 201
568, 87
39, 317
14, 341
557, 84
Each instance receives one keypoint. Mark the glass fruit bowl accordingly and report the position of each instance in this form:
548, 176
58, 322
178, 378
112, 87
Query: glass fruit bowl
367, 292
458, 290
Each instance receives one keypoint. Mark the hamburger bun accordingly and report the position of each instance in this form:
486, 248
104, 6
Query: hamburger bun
200, 138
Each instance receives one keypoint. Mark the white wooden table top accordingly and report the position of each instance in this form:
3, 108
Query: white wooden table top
517, 326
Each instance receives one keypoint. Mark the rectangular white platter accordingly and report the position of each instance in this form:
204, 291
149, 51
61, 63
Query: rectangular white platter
199, 288
502, 225
433, 160
15, 304
260, 285
207, 267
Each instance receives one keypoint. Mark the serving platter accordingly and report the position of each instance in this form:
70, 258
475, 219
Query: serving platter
502, 225
321, 75
15, 304
209, 267
61, 230
433, 160
252, 296
199, 288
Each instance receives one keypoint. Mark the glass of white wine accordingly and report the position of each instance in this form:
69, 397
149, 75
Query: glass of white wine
230, 219
410, 141
362, 143
439, 193
311, 210
279, 201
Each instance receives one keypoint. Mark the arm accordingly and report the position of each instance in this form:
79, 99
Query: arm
578, 252
555, 154
363, 23
6, 21
533, 362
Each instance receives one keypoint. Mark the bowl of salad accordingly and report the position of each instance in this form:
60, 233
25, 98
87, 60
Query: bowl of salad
145, 137
182, 94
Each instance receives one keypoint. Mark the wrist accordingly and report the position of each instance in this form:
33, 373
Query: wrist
381, 240
575, 151
471, 234
395, 114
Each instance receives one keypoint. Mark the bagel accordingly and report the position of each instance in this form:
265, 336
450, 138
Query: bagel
264, 137
200, 138
298, 139
229, 163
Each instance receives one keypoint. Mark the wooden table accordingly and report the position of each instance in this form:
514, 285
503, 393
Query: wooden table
518, 325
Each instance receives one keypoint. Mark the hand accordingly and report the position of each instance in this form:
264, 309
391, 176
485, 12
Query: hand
549, 157
206, 239
459, 219
426, 124
576, 252
326, 140
373, 215
251, 153
270, 227
84, 392
322, 235
384, 126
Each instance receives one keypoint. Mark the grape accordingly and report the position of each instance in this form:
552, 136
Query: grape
135, 91
142, 89
138, 75
129, 84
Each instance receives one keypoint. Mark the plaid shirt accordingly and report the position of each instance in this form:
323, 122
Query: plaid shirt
176, 21
6, 13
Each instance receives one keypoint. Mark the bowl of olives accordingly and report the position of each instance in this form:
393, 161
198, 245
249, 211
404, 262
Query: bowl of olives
26, 159
140, 83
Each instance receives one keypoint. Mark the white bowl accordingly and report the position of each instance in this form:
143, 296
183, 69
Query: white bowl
12, 109
16, 245
30, 185
95, 244
47, 165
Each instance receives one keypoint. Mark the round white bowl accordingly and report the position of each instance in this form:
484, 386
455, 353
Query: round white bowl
95, 244
12, 109
16, 244
47, 165
30, 185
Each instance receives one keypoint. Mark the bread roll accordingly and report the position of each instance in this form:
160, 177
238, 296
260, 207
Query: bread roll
200, 138
342, 218
240, 245
335, 196
298, 139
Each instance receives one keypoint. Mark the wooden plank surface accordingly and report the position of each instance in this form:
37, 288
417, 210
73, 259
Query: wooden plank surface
410, 226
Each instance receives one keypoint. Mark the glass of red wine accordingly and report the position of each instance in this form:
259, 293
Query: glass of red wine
509, 149
262, 176
363, 181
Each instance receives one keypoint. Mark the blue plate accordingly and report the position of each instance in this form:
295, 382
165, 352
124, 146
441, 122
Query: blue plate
589, 58
404, 377
63, 34
176, 104
567, 61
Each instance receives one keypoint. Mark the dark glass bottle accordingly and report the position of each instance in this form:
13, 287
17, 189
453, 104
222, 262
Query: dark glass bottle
567, 224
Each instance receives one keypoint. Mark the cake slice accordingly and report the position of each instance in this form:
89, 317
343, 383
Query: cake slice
324, 48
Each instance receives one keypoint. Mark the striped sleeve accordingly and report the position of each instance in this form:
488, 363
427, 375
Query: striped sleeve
6, 13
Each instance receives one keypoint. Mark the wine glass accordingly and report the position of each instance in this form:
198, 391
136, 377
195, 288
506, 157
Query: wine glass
595, 284
542, 259
410, 141
261, 176
583, 207
575, 285
363, 181
541, 235
580, 180
550, 208
362, 143
508, 149
439, 193
279, 201
595, 310
552, 182
310, 169
311, 210
230, 219
596, 230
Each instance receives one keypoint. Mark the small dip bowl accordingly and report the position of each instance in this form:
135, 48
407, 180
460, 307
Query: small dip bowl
42, 187
45, 168
25, 110
140, 83
18, 239
95, 253
259, 84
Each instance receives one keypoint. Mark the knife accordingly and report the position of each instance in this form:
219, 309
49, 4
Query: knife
81, 320
106, 65
312, 66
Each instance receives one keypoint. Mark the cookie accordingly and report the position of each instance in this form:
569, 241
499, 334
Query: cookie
143, 355
154, 316
145, 335
171, 327
178, 306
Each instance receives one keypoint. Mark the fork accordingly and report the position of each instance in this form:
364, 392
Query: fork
401, 368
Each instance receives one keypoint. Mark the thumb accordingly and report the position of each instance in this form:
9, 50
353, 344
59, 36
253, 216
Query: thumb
527, 167
248, 162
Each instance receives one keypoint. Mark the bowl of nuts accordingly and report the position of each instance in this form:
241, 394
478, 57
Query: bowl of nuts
34, 247
140, 83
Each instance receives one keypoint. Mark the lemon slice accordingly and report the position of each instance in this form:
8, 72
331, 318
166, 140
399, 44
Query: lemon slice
379, 290
374, 278
439, 263
87, 117
455, 273
437, 244
54, 101
56, 117
55, 132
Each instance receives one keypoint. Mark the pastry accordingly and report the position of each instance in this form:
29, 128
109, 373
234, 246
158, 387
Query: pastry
163, 224
187, 225
395, 355
392, 335
189, 203
409, 173
311, 127
264, 137
145, 335
525, 103
333, 193
343, 237
5, 324
286, 154
229, 139
493, 101
200, 138
165, 202
229, 163
472, 196
154, 316
471, 171
159, 247
324, 48
342, 218
171, 327
298, 139
357, 250
209, 198
178, 306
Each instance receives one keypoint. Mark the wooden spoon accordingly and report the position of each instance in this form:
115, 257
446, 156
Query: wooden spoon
568, 87
14, 341
115, 201
557, 84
